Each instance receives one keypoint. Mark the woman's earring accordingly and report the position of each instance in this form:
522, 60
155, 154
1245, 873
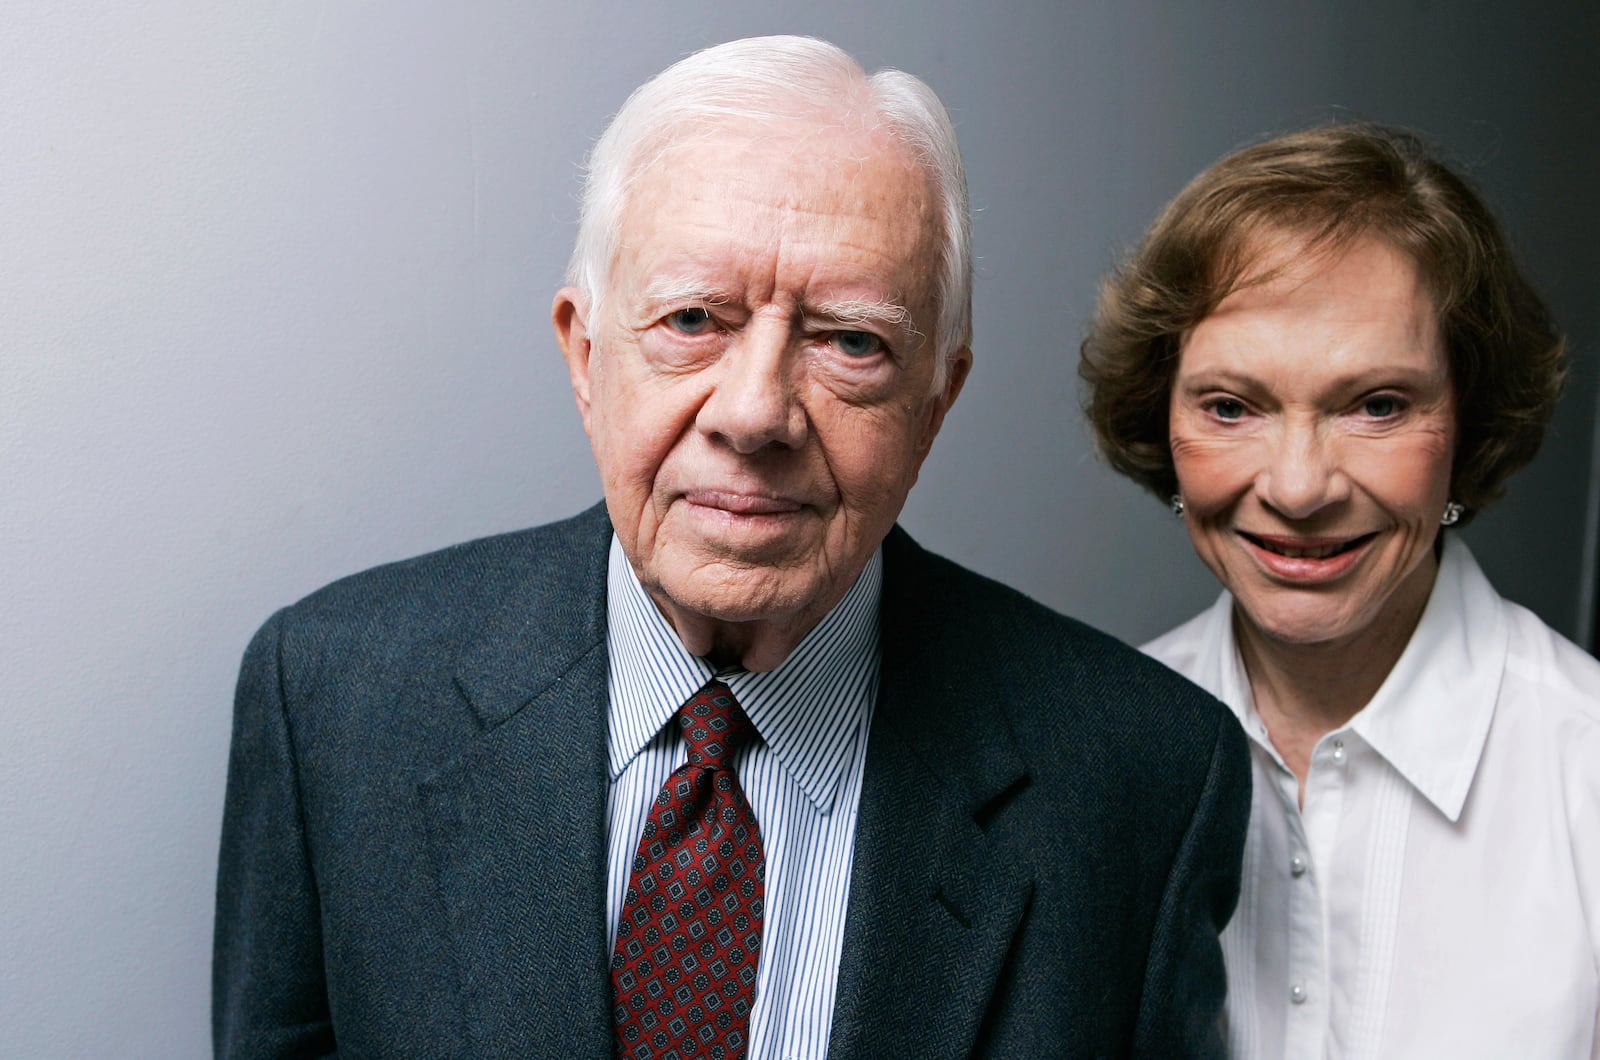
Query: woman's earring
1177, 505
1452, 514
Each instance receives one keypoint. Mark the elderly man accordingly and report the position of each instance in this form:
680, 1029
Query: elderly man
729, 766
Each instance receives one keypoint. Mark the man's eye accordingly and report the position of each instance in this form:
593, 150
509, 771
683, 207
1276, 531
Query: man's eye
856, 343
694, 320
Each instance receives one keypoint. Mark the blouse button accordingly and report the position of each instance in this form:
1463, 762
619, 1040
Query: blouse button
1338, 750
1297, 866
1297, 994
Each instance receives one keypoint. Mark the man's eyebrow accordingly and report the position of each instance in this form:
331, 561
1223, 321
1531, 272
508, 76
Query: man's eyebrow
866, 311
683, 289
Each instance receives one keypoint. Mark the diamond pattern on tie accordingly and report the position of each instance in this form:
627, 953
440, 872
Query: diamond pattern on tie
683, 976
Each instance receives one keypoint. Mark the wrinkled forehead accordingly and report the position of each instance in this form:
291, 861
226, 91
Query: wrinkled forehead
804, 166
765, 111
837, 136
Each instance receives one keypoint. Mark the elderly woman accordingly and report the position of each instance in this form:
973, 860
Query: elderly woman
1323, 356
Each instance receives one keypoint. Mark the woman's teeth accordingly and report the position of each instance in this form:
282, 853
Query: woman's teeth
1322, 552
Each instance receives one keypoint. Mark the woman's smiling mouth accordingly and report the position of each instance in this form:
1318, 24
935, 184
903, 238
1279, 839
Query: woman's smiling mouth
1307, 559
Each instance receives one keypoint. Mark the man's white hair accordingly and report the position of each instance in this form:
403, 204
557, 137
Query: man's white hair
777, 79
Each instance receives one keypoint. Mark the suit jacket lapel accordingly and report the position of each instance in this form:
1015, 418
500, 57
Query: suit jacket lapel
516, 824
934, 905
516, 820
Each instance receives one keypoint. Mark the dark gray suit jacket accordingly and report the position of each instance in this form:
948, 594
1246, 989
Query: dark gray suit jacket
413, 851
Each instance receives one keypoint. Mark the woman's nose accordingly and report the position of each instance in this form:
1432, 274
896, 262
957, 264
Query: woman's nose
1302, 474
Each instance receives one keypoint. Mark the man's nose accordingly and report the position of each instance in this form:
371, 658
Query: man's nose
1302, 473
755, 403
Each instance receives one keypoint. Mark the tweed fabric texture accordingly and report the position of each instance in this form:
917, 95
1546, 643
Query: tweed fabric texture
414, 856
689, 937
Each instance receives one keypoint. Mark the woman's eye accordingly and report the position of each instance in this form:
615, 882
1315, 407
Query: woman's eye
694, 320
1381, 406
1227, 409
856, 343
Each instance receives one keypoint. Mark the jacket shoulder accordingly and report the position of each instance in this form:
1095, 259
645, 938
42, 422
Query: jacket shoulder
469, 579
532, 599
1020, 641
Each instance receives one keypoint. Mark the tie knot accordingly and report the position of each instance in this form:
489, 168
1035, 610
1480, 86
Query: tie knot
715, 726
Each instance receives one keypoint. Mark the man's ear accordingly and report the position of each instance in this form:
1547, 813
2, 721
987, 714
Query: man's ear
955, 378
569, 315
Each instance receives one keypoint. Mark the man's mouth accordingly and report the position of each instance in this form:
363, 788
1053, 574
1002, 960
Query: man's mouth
737, 503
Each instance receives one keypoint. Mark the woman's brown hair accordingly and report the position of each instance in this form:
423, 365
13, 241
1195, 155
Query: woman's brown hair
1328, 186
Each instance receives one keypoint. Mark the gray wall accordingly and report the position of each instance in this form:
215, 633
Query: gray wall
274, 282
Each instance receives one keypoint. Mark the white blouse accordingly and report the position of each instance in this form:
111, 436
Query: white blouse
1439, 895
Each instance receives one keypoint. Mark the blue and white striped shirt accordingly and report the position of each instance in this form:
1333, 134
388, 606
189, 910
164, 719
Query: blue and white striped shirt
803, 779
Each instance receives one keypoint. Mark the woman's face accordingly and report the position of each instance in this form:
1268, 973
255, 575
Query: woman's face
1313, 424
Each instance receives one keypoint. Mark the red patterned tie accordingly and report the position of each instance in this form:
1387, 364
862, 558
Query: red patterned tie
683, 976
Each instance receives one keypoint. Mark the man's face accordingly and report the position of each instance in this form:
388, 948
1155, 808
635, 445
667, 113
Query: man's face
759, 385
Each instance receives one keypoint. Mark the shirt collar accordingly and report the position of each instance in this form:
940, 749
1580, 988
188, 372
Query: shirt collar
808, 711
1219, 668
1431, 715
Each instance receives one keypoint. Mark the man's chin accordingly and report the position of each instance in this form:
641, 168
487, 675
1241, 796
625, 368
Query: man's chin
738, 593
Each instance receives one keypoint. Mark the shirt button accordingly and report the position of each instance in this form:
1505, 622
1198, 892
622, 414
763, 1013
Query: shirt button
1297, 866
1338, 750
1297, 994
